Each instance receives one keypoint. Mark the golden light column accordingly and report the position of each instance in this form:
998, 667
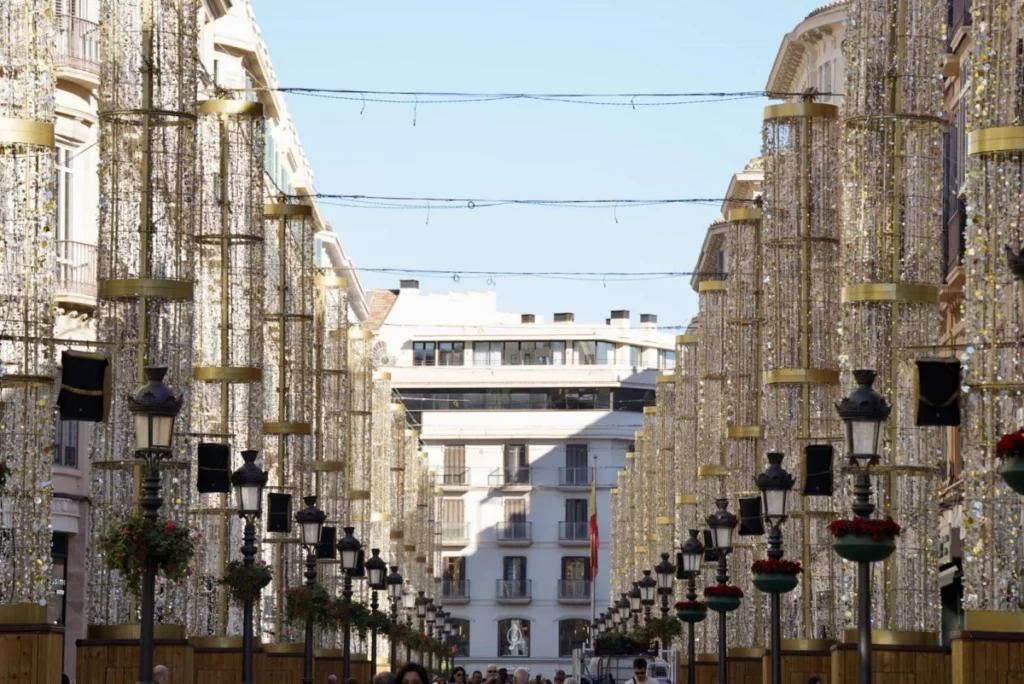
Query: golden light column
227, 347
634, 519
401, 449
743, 455
993, 316
289, 376
615, 560
383, 450
145, 264
27, 269
648, 470
359, 453
892, 200
664, 492
800, 341
684, 481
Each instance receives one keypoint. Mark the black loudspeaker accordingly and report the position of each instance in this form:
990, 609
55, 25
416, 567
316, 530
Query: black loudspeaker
680, 573
710, 555
937, 389
214, 476
279, 512
84, 387
818, 470
325, 549
751, 524
360, 570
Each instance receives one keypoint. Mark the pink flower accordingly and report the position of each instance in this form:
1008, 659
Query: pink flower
169, 527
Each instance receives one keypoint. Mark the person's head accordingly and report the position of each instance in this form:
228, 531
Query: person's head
813, 680
412, 673
571, 680
351, 680
160, 675
492, 671
639, 668
558, 677
502, 675
332, 679
459, 675
64, 679
384, 678
476, 677
521, 675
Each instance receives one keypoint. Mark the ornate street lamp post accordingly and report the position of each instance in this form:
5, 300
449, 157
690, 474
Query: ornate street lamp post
411, 606
376, 568
431, 616
154, 407
775, 484
691, 558
248, 481
447, 629
648, 588
394, 582
665, 571
722, 524
311, 521
349, 547
635, 598
864, 411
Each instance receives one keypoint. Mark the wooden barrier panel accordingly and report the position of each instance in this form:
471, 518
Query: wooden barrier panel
801, 660
116, 661
989, 649
31, 654
893, 663
742, 669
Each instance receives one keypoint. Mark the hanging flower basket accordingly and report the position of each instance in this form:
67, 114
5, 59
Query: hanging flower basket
774, 576
723, 598
1010, 450
691, 611
864, 541
125, 543
246, 582
302, 603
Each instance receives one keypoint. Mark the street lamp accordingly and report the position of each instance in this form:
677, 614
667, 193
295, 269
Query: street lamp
154, 407
635, 597
431, 615
691, 558
648, 588
311, 521
411, 602
447, 630
376, 568
622, 606
863, 411
722, 524
248, 481
394, 582
665, 570
349, 548
775, 484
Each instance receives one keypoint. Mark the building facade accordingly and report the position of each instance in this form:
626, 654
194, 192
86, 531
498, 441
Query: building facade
516, 416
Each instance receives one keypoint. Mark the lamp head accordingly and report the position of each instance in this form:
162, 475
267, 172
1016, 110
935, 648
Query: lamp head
154, 407
249, 481
722, 523
775, 484
311, 520
863, 411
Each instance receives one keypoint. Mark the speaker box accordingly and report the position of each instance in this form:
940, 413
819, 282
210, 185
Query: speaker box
325, 549
818, 470
214, 476
84, 387
751, 524
279, 515
710, 555
937, 390
360, 570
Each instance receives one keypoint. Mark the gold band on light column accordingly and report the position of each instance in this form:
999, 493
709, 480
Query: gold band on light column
993, 621
711, 470
686, 339
664, 520
26, 132
384, 375
650, 410
236, 107
396, 534
665, 379
284, 209
801, 376
329, 466
712, 286
283, 428
807, 644
23, 614
746, 432
890, 292
356, 334
686, 499
229, 373
788, 110
146, 287
996, 139
745, 214
326, 281
889, 637
359, 495
16, 380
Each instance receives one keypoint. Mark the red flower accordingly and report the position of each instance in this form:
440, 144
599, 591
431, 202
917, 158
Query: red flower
770, 566
1011, 444
690, 605
876, 529
169, 527
124, 531
723, 590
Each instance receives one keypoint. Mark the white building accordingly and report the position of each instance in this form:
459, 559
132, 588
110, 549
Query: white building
514, 414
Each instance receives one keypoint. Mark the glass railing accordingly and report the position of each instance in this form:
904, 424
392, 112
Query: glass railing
574, 589
514, 531
573, 531
513, 589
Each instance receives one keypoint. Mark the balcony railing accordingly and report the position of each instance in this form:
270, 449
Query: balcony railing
574, 589
513, 589
514, 531
78, 43
455, 589
574, 477
457, 477
509, 477
454, 531
573, 531
76, 268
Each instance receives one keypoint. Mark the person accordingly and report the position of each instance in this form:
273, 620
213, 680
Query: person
64, 679
412, 673
639, 671
521, 676
332, 679
384, 678
352, 680
571, 680
559, 677
459, 675
477, 677
502, 675
492, 670
160, 674
813, 680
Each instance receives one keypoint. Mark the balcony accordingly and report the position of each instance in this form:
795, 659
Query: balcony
514, 533
453, 479
455, 591
513, 591
509, 478
76, 274
454, 533
574, 478
78, 44
574, 591
573, 533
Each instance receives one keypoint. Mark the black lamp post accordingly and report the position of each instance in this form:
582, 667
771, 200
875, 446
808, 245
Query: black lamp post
691, 558
248, 481
411, 603
394, 583
635, 598
431, 617
665, 570
648, 589
349, 548
154, 407
775, 484
622, 612
722, 524
376, 569
311, 521
863, 411
448, 629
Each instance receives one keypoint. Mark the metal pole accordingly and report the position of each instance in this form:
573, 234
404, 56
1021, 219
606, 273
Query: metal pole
393, 646
249, 559
722, 578
691, 595
408, 651
775, 552
346, 666
307, 668
863, 508
373, 636
150, 503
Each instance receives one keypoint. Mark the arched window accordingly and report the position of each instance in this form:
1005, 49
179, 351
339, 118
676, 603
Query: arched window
460, 636
572, 633
514, 638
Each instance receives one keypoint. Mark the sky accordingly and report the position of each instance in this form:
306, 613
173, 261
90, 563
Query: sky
525, 149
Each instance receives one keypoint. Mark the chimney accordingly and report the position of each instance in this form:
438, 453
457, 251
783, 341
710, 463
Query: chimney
564, 317
648, 320
409, 284
619, 319
527, 318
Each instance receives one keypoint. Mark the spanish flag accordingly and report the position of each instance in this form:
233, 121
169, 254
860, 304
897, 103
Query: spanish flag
595, 540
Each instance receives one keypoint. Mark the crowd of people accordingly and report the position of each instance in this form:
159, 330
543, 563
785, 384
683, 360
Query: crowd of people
414, 673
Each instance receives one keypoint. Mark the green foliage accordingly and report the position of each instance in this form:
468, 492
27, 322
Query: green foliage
246, 582
125, 544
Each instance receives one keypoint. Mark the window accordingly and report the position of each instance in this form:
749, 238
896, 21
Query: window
576, 510
65, 451
453, 519
450, 353
514, 568
825, 81
65, 194
487, 353
57, 601
460, 636
666, 360
515, 510
514, 638
453, 577
575, 455
423, 353
517, 469
635, 354
572, 634
605, 353
575, 568
586, 352
454, 465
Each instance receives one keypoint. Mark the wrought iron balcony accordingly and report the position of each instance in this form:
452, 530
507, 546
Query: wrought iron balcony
455, 477
78, 43
454, 533
514, 533
574, 477
510, 477
573, 533
572, 591
76, 272
513, 591
455, 591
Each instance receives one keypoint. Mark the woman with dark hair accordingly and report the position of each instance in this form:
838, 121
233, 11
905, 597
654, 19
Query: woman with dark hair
412, 673
458, 675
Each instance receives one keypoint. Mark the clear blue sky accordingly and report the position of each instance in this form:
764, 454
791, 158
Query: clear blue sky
525, 149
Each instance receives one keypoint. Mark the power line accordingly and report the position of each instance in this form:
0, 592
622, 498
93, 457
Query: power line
442, 203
